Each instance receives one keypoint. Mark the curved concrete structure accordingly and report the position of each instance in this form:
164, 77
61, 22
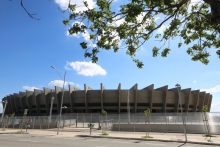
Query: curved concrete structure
113, 101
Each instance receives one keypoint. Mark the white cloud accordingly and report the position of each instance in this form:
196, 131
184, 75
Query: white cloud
194, 81
86, 68
211, 90
161, 29
84, 35
156, 18
63, 4
215, 107
59, 83
29, 88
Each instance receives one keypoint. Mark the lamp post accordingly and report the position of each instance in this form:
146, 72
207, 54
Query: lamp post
128, 108
6, 102
61, 104
51, 107
180, 102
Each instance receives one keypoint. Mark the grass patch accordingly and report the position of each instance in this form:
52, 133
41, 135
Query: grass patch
104, 134
147, 137
208, 135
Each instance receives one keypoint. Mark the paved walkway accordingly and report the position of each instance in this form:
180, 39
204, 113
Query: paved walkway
85, 132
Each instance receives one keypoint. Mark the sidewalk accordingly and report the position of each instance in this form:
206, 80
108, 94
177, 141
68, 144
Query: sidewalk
85, 132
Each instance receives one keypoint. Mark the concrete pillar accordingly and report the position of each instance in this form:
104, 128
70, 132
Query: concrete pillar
86, 88
201, 100
187, 98
164, 89
47, 95
23, 101
9, 105
17, 103
58, 99
176, 109
71, 96
151, 89
195, 99
102, 88
11, 97
37, 97
13, 103
119, 100
206, 99
135, 88
20, 104
29, 95
209, 103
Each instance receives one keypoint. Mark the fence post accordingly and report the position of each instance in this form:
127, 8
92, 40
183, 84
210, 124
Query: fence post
13, 123
134, 121
83, 119
40, 122
119, 122
33, 123
48, 124
70, 119
64, 118
166, 122
99, 122
76, 119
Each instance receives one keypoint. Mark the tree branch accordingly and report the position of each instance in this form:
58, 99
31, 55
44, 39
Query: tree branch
31, 15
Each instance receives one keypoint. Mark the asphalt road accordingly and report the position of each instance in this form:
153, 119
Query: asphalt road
27, 140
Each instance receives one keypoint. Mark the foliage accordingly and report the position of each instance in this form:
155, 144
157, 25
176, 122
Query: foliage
104, 113
6, 117
205, 108
104, 134
147, 112
12, 115
208, 135
136, 23
147, 137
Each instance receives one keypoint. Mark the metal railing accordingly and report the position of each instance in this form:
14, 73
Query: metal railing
166, 120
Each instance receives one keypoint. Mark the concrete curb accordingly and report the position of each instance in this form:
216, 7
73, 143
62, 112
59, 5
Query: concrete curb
14, 133
148, 139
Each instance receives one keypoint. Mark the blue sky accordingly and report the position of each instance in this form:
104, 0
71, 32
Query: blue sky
29, 47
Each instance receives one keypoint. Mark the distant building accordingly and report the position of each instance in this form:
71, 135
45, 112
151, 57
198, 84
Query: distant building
159, 100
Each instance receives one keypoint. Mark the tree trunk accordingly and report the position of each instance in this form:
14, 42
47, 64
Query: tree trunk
148, 126
145, 126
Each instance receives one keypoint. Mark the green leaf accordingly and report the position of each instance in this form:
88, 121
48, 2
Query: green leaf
155, 51
66, 22
165, 52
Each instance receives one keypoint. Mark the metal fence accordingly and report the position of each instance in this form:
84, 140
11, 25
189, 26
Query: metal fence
159, 122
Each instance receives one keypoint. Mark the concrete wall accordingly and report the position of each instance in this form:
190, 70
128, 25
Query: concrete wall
88, 100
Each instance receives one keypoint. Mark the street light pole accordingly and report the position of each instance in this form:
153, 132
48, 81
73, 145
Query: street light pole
61, 104
51, 107
128, 108
183, 118
6, 102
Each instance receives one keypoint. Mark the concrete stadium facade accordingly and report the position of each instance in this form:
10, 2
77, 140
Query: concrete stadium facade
159, 100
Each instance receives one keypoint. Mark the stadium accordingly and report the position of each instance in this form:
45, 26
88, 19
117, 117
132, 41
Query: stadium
159, 100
